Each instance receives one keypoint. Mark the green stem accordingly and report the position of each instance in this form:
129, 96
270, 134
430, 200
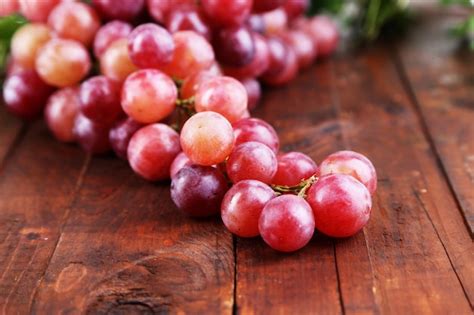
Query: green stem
299, 190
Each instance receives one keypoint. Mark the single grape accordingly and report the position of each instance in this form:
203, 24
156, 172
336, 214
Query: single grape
287, 73
60, 113
62, 62
159, 9
255, 23
351, 163
151, 151
191, 84
100, 99
226, 13
293, 167
192, 54
187, 18
286, 223
275, 21
260, 6
25, 94
254, 129
325, 34
252, 160
295, 8
74, 20
234, 46
26, 42
254, 92
341, 205
150, 46
115, 62
242, 206
8, 7
223, 95
93, 137
278, 53
149, 96
120, 135
108, 34
198, 190
207, 138
180, 161
302, 45
37, 10
125, 10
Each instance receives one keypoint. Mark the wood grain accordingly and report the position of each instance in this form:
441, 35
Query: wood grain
10, 129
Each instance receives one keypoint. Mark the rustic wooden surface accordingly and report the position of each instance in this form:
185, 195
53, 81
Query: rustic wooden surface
82, 235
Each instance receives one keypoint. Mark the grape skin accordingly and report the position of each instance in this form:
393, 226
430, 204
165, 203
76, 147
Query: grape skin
93, 137
293, 167
60, 113
254, 129
226, 13
125, 10
115, 62
180, 161
26, 42
120, 135
108, 34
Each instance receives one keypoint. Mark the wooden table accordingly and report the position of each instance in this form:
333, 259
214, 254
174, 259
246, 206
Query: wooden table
81, 234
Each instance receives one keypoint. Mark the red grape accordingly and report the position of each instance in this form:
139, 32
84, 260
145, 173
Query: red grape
74, 20
223, 95
254, 129
126, 10
198, 190
242, 206
191, 84
109, 33
25, 94
8, 7
286, 223
120, 135
234, 46
252, 160
37, 10
287, 72
341, 205
100, 99
159, 9
325, 34
26, 42
187, 18
115, 62
150, 46
226, 13
295, 8
351, 163
266, 5
62, 62
151, 151
93, 137
275, 21
60, 113
207, 138
302, 45
149, 96
180, 161
294, 167
256, 23
254, 92
278, 53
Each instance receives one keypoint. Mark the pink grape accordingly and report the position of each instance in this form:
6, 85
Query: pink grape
278, 53
302, 45
187, 18
93, 137
159, 9
341, 205
198, 190
60, 113
27, 41
191, 84
180, 161
242, 206
226, 13
151, 151
148, 96
254, 129
37, 10
115, 62
325, 34
275, 21
351, 163
150, 46
223, 95
254, 92
234, 46
281, 73
255, 23
125, 10
252, 160
8, 7
294, 167
207, 138
108, 34
120, 135
286, 223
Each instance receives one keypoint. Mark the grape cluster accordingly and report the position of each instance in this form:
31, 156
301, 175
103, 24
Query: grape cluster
168, 85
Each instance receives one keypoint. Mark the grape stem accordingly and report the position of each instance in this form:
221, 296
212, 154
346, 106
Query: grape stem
299, 190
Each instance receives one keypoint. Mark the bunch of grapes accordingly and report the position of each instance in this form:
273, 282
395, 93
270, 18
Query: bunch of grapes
168, 86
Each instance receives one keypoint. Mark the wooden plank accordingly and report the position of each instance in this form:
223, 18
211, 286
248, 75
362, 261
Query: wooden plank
442, 76
416, 268
126, 248
10, 128
36, 187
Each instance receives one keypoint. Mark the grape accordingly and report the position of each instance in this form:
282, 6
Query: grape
252, 160
115, 62
12, 66
254, 92
150, 46
223, 95
226, 13
351, 163
60, 113
207, 138
341, 205
294, 167
254, 129
234, 46
26, 42
25, 94
180, 161
109, 33
126, 10
278, 52
302, 45
149, 96
295, 8
242, 206
93, 137
8, 7
260, 6
74, 20
256, 23
120, 135
286, 223
151, 151
100, 99
287, 72
325, 34
62, 62
192, 54
191, 84
37, 10
275, 21
187, 18
159, 9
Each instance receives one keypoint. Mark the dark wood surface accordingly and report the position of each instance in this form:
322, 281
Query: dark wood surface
85, 235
